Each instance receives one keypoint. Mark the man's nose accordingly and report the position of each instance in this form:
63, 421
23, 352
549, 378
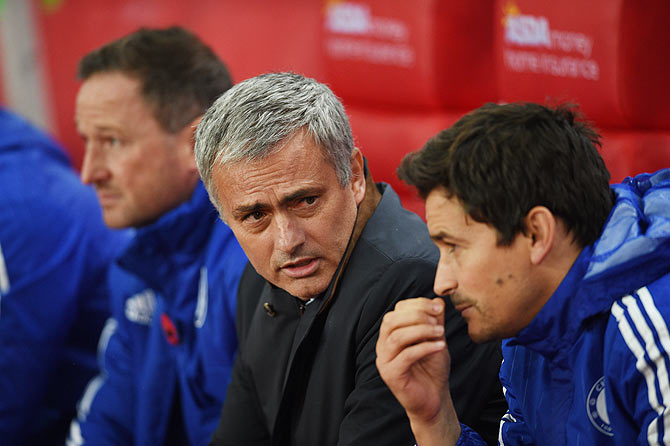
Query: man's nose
445, 279
290, 234
93, 168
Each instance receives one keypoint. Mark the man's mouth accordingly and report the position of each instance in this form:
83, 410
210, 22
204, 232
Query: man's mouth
106, 198
301, 267
462, 306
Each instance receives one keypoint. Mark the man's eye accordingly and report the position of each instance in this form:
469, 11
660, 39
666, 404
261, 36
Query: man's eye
254, 216
450, 247
307, 200
111, 142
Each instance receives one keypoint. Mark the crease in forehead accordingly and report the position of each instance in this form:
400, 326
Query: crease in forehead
301, 137
110, 100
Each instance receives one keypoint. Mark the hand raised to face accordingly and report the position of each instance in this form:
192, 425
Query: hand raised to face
414, 362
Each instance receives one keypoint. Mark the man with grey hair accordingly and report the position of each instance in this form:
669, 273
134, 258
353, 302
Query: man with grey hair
331, 252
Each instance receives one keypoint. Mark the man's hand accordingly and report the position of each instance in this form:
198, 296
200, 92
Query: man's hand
414, 362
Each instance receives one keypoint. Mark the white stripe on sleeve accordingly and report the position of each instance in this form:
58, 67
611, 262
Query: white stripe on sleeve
4, 277
664, 337
642, 365
75, 438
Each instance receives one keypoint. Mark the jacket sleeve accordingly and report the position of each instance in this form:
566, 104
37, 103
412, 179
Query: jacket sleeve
37, 312
34, 324
372, 414
469, 437
106, 410
53, 252
637, 366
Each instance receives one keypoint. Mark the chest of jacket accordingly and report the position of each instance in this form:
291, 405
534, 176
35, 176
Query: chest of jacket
562, 400
295, 353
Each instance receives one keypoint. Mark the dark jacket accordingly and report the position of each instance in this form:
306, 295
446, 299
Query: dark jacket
306, 375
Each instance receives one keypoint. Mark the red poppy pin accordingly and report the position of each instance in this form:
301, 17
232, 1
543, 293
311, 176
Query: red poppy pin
169, 329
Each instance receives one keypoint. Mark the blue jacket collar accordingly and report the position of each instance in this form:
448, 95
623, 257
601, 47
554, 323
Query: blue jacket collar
173, 240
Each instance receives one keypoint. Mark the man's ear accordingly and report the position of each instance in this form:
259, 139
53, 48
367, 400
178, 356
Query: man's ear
357, 175
187, 142
540, 230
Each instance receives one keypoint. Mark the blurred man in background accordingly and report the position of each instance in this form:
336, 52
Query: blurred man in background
54, 256
537, 248
331, 251
169, 347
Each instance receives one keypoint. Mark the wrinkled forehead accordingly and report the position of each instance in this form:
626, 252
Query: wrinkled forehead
294, 163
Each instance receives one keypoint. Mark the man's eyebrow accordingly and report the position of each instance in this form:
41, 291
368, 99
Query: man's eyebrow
304, 192
100, 129
245, 209
442, 235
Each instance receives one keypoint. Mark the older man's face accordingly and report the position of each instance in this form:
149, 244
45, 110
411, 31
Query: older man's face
290, 214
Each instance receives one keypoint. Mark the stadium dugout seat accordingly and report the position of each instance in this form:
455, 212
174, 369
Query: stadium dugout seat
406, 70
608, 56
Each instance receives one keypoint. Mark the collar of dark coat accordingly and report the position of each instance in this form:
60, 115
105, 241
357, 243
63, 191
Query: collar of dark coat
365, 210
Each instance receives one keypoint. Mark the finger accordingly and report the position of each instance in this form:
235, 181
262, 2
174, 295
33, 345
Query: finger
391, 344
413, 312
439, 306
401, 363
433, 306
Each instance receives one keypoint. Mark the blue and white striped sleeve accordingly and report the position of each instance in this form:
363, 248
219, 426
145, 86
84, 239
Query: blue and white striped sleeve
637, 379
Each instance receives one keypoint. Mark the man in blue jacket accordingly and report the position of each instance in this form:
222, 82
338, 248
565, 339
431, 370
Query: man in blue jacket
537, 248
169, 347
55, 252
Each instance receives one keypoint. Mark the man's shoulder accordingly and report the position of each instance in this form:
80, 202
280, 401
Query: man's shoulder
648, 303
396, 233
638, 325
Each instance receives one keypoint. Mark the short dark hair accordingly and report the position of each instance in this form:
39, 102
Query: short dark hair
180, 76
502, 160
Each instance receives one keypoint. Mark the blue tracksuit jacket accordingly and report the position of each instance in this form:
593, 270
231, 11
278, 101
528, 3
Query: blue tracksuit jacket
169, 349
592, 368
55, 251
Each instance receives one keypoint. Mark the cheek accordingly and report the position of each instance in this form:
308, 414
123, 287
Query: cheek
258, 248
129, 172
